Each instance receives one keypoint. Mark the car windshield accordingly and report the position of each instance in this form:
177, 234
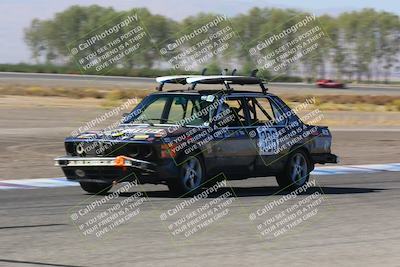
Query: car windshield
182, 109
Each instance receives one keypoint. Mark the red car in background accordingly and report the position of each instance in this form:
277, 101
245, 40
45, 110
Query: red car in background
323, 83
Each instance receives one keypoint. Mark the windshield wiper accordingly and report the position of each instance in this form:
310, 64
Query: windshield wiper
161, 120
147, 121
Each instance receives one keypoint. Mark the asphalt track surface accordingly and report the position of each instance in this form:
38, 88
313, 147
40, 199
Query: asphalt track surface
45, 79
357, 224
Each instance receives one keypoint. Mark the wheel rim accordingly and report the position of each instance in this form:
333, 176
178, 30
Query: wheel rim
299, 169
192, 173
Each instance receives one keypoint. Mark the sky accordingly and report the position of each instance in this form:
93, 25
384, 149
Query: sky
17, 14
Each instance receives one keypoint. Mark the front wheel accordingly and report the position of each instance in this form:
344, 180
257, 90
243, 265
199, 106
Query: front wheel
191, 176
296, 172
95, 188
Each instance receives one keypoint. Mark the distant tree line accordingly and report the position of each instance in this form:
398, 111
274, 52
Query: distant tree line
362, 45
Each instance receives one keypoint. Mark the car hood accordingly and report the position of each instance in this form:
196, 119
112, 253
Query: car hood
134, 132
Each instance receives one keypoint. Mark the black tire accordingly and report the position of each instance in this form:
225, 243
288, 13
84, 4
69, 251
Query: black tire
95, 188
191, 177
296, 172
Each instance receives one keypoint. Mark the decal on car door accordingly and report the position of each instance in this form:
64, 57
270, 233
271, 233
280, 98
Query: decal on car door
268, 141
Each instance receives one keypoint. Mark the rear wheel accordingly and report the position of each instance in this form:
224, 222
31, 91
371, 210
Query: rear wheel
191, 176
296, 172
95, 188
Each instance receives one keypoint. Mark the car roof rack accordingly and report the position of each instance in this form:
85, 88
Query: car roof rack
181, 79
227, 80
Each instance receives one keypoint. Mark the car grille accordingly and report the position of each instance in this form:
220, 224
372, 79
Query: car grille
111, 174
111, 149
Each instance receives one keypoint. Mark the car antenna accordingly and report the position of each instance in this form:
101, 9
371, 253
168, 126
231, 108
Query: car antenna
203, 72
233, 72
224, 72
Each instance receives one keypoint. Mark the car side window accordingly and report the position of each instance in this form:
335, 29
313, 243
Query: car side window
184, 108
232, 113
265, 111
279, 113
193, 107
178, 109
284, 109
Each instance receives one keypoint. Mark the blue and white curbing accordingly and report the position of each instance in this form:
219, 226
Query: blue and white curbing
349, 169
36, 183
319, 171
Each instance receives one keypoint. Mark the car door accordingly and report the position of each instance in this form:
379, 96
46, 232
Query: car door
233, 149
269, 133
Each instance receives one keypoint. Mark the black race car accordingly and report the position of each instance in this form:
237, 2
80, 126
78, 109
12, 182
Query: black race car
188, 139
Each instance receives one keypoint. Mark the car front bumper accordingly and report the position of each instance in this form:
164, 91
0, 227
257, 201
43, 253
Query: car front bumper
114, 169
